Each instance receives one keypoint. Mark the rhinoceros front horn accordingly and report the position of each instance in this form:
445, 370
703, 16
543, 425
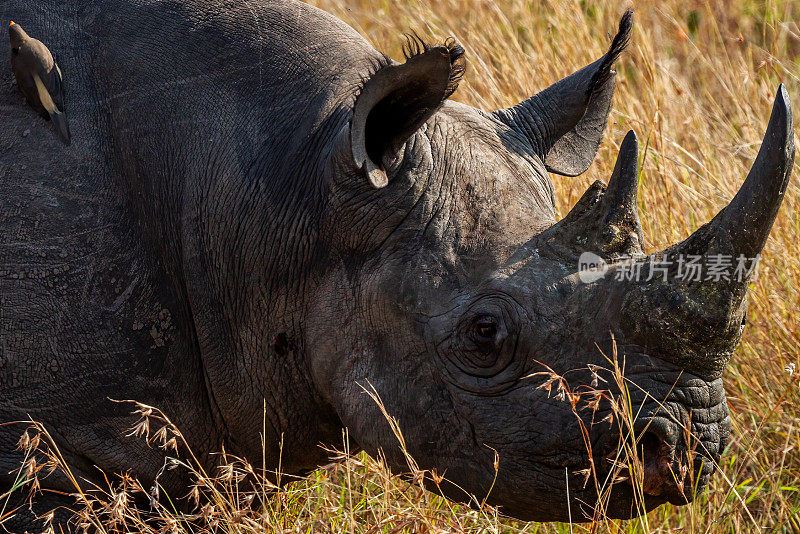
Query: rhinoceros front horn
742, 227
694, 317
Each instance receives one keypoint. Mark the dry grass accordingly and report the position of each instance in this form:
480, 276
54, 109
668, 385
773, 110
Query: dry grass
697, 85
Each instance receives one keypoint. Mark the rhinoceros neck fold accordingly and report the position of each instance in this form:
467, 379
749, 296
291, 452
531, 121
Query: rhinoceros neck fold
222, 155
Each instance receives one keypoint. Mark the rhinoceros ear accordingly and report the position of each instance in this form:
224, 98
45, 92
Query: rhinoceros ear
397, 100
564, 124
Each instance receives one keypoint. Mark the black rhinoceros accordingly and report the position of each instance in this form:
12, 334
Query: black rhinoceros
261, 216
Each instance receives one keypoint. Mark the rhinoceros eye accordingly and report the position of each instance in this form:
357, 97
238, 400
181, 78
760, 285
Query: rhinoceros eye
485, 329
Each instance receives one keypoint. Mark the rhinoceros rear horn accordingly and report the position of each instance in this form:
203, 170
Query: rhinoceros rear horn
398, 99
564, 124
618, 207
605, 220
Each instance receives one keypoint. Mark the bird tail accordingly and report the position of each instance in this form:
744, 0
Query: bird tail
58, 117
60, 120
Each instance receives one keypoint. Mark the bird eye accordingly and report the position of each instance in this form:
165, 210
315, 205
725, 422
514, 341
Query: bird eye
485, 329
15, 51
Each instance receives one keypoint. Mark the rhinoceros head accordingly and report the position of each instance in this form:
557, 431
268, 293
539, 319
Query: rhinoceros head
513, 370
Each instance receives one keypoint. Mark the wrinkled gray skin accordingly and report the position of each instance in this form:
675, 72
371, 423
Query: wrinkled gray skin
233, 229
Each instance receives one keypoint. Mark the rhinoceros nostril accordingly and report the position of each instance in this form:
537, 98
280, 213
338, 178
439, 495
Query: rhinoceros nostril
655, 459
649, 452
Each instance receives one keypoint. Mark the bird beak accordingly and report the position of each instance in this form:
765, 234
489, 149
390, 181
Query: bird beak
12, 23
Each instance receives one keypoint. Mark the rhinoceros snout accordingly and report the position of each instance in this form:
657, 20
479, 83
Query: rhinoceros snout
672, 447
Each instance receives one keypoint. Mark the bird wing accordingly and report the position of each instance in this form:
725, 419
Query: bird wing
56, 86
44, 96
58, 118
41, 61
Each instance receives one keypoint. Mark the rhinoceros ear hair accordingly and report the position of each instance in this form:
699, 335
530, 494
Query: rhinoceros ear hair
564, 124
398, 99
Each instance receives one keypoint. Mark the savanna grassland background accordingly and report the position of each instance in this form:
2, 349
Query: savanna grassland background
697, 85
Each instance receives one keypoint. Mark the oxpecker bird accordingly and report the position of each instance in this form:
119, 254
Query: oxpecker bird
39, 78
